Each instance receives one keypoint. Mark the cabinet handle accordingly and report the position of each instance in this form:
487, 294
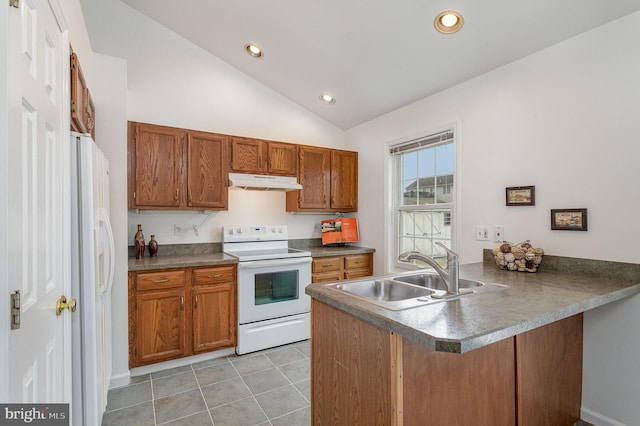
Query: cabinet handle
260, 163
214, 276
196, 305
326, 266
357, 262
177, 193
166, 280
182, 303
189, 196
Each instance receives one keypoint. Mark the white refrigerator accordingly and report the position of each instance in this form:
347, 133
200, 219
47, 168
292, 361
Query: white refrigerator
92, 272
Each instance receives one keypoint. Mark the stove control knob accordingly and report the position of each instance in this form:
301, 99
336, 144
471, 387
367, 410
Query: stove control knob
239, 231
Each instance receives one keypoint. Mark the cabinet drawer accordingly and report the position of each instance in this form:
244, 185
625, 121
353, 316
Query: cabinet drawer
357, 261
158, 280
222, 274
325, 264
326, 277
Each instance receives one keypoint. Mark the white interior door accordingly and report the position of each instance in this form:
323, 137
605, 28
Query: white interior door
39, 354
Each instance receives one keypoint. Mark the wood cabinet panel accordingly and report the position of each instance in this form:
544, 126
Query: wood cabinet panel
259, 156
247, 155
344, 180
161, 332
160, 280
176, 169
180, 312
549, 361
475, 388
352, 266
343, 349
314, 176
207, 173
533, 378
157, 166
282, 159
325, 264
329, 180
214, 317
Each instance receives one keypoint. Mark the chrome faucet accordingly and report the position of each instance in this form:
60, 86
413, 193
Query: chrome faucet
449, 276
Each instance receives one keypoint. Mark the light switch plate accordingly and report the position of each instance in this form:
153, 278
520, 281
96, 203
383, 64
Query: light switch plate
482, 233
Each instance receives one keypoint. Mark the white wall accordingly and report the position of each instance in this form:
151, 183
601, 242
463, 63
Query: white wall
566, 120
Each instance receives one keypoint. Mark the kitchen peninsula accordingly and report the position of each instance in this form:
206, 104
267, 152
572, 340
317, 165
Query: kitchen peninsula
512, 356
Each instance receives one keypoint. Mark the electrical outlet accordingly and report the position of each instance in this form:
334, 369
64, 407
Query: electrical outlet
482, 233
498, 234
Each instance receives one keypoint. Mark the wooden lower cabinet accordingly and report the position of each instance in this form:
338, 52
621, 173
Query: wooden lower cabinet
214, 313
335, 268
181, 312
361, 374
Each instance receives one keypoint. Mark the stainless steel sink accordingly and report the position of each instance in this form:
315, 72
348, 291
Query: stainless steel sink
389, 294
411, 290
434, 281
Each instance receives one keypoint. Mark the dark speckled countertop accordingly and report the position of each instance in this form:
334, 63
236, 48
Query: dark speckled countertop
210, 254
472, 321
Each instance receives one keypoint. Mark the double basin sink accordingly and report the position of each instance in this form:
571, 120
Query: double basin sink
411, 290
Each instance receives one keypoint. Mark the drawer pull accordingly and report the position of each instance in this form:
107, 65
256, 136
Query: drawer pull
214, 276
166, 280
196, 305
326, 266
182, 303
357, 262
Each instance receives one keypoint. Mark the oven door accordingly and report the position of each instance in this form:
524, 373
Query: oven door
273, 288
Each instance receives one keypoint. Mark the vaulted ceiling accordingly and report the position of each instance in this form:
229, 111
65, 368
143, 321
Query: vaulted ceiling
374, 56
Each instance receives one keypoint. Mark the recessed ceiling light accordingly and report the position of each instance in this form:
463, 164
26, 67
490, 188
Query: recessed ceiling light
327, 99
253, 50
448, 22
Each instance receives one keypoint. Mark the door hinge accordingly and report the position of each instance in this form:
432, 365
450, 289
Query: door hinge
15, 310
14, 3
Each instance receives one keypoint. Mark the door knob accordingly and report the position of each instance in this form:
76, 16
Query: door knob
62, 304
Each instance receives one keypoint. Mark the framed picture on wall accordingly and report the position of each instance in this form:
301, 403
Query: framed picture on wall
569, 219
521, 196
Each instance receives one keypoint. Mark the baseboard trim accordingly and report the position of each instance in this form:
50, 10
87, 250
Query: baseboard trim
598, 419
120, 380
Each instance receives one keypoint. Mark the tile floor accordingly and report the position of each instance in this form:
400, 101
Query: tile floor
270, 387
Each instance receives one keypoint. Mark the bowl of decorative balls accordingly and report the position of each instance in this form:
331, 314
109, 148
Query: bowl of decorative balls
521, 257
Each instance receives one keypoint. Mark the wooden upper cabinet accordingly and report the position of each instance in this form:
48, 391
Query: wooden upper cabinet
247, 155
207, 173
314, 176
329, 180
258, 156
157, 166
344, 180
176, 169
82, 107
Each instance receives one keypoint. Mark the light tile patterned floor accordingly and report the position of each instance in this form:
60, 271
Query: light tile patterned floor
270, 387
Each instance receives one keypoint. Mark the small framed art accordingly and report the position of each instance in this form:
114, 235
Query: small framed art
521, 196
569, 219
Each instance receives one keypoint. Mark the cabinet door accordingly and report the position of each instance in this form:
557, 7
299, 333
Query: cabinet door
78, 86
314, 176
358, 266
282, 159
247, 155
160, 325
344, 181
156, 168
214, 308
214, 317
207, 173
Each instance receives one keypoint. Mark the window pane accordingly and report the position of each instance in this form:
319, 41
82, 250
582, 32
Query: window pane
419, 230
410, 165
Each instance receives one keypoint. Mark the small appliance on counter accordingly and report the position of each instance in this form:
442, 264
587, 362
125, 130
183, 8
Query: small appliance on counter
340, 231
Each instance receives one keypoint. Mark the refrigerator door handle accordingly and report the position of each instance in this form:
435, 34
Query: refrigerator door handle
112, 261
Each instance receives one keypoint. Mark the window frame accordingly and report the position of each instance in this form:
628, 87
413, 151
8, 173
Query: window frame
394, 196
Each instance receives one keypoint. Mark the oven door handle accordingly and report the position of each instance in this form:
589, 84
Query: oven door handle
275, 262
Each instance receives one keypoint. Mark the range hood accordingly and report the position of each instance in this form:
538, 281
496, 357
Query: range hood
263, 182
